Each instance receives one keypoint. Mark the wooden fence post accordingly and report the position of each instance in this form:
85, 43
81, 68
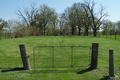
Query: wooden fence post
24, 56
94, 57
111, 63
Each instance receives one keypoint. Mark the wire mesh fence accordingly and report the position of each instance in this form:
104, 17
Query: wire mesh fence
109, 36
104, 59
11, 35
61, 56
5, 36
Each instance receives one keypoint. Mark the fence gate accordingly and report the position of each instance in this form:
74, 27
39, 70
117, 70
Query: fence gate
61, 56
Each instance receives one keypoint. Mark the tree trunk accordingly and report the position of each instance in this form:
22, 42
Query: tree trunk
72, 30
95, 32
60, 32
79, 31
87, 32
44, 30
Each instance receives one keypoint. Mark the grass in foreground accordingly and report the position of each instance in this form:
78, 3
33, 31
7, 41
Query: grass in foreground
10, 58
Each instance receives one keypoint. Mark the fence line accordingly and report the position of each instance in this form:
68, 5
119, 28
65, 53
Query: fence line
108, 36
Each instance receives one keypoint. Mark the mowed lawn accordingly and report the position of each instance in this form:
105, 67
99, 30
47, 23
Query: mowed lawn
10, 58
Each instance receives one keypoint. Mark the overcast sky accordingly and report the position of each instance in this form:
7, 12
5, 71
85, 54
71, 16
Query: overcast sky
8, 7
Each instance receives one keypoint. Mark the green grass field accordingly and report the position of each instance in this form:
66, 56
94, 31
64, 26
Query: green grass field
10, 58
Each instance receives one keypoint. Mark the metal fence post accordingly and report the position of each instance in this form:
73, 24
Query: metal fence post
111, 63
94, 57
24, 56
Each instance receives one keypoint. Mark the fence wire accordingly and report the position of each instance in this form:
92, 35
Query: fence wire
61, 56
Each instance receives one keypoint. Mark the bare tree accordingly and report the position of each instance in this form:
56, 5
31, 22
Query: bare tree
18, 28
28, 15
11, 23
96, 17
62, 23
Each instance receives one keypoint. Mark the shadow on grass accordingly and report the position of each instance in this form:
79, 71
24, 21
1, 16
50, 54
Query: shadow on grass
13, 69
85, 70
105, 78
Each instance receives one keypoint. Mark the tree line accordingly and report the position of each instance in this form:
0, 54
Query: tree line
44, 20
